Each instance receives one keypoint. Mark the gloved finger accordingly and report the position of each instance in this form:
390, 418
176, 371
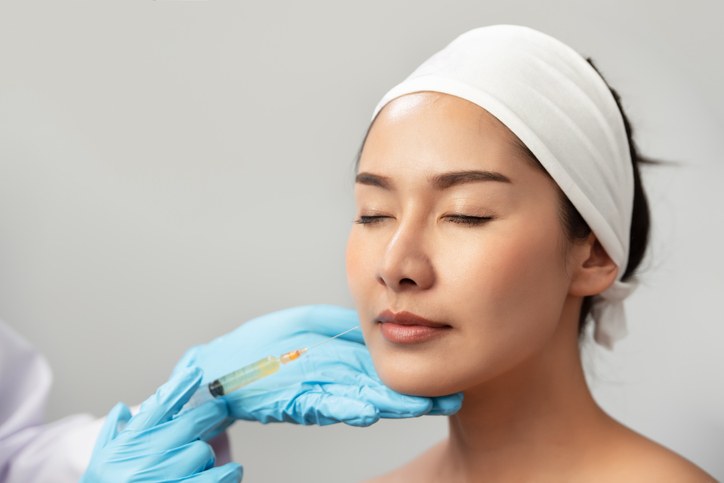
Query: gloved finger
446, 405
223, 426
390, 404
228, 473
193, 424
189, 459
114, 424
167, 401
187, 360
322, 408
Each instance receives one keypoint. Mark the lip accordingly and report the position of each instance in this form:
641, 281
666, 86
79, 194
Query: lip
407, 328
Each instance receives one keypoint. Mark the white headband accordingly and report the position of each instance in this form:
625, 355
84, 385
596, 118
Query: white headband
560, 107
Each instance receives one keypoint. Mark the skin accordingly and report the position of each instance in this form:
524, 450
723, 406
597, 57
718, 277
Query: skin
508, 286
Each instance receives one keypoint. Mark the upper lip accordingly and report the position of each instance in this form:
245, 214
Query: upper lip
406, 318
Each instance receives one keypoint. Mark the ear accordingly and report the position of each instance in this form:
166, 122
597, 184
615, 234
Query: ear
593, 270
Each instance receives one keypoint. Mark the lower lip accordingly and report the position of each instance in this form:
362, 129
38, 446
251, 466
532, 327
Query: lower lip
410, 334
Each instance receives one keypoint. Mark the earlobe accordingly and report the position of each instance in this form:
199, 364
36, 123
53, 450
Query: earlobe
595, 270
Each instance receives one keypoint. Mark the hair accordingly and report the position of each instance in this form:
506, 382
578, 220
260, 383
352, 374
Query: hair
574, 227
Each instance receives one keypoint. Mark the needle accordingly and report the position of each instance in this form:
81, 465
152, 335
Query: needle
327, 340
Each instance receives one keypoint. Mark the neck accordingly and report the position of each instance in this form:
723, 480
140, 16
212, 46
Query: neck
531, 420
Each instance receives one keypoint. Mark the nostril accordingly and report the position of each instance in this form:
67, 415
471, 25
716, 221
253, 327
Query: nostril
405, 281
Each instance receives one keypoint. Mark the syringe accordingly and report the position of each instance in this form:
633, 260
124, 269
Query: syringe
247, 374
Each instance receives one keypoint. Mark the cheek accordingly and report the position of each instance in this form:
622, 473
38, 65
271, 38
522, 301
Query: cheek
508, 292
358, 260
361, 261
517, 278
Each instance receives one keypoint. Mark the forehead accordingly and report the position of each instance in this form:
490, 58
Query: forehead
429, 132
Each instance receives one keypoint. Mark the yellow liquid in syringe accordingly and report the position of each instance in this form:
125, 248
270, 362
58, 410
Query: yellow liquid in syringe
252, 372
246, 375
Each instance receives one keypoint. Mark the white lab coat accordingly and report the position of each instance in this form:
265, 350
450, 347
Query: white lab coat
30, 451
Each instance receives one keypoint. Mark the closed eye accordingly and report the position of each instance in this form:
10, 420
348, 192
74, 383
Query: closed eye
469, 220
368, 220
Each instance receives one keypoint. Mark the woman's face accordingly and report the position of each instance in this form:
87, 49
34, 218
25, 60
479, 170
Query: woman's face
455, 227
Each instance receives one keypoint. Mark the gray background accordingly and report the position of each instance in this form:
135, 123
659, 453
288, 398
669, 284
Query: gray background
169, 170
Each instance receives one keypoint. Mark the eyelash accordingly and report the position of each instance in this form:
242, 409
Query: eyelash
469, 220
459, 219
368, 220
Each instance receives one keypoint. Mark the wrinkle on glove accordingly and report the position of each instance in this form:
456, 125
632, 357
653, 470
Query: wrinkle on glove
562, 110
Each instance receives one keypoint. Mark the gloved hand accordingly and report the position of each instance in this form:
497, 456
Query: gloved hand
153, 447
335, 382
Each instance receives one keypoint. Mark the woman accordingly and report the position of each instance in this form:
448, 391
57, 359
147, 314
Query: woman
498, 205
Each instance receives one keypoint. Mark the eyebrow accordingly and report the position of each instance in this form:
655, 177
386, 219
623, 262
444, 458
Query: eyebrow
446, 180
375, 180
440, 182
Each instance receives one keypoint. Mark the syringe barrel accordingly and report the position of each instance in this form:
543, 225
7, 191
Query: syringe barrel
247, 374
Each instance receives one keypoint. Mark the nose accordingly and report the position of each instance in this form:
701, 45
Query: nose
405, 263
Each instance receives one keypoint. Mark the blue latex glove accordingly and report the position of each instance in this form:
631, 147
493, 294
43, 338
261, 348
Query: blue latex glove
153, 447
335, 382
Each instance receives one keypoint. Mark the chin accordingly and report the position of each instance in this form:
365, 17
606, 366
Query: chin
415, 379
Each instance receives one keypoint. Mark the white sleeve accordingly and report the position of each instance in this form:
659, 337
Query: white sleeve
30, 451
